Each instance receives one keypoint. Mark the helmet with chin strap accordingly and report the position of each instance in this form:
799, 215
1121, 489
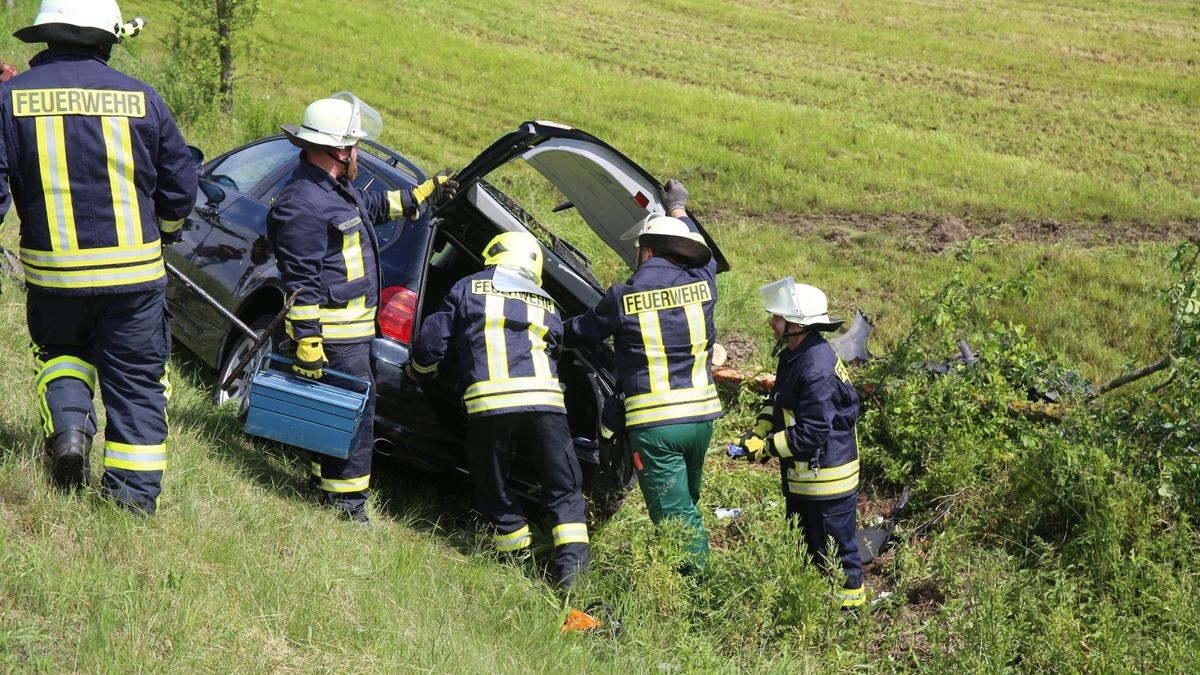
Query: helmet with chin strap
800, 304
340, 121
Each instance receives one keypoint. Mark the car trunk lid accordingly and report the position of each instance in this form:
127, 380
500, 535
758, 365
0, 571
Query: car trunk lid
610, 191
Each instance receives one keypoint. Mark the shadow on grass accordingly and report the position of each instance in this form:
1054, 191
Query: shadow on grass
438, 504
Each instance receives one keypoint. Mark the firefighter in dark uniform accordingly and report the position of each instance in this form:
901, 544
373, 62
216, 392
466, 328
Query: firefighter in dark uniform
321, 228
662, 324
807, 421
507, 333
96, 167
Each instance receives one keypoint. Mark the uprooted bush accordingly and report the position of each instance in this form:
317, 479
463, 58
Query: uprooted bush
1040, 536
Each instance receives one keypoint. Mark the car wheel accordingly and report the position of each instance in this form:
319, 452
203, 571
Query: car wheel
239, 389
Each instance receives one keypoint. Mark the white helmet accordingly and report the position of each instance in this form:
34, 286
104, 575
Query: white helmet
673, 237
89, 22
339, 121
800, 304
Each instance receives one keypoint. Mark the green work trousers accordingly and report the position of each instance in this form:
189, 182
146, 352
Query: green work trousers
670, 464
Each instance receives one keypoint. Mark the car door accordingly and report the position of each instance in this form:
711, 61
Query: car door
235, 246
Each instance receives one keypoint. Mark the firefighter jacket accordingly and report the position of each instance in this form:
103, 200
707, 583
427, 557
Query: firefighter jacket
661, 321
322, 232
508, 344
93, 159
812, 409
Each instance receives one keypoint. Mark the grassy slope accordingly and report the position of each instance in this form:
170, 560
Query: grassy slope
1079, 112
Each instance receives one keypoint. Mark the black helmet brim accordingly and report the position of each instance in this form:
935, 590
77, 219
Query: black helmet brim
66, 33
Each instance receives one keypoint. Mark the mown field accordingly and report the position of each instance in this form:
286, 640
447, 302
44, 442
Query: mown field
857, 145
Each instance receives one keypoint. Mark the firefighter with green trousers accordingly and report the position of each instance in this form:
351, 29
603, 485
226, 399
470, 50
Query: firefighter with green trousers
661, 322
807, 422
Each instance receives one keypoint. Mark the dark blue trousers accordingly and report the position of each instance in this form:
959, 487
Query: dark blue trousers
344, 481
545, 441
822, 519
121, 343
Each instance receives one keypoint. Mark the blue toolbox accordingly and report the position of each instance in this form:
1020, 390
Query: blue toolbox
323, 415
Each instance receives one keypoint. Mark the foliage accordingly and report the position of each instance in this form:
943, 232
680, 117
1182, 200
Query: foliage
201, 44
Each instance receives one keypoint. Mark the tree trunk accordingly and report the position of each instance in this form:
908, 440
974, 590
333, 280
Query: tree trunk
225, 51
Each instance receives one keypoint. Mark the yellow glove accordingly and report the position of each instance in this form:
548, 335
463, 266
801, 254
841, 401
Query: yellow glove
436, 190
757, 449
762, 428
310, 358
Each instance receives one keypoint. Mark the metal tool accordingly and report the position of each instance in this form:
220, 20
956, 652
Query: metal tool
257, 339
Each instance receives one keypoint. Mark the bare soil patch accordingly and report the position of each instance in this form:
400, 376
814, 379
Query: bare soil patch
936, 232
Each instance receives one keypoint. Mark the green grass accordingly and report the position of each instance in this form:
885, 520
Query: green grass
832, 141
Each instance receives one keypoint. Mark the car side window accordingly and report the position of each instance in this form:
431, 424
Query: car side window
243, 170
368, 180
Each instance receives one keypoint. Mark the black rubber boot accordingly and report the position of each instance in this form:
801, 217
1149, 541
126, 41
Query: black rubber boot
68, 452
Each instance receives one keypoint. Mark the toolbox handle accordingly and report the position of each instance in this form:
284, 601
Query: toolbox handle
339, 379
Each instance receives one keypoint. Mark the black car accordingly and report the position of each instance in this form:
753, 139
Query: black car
224, 249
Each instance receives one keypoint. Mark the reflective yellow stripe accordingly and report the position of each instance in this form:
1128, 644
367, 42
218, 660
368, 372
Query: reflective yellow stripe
103, 277
395, 200
345, 331
493, 337
841, 371
169, 225
689, 395
570, 533
126, 210
782, 448
656, 353
514, 541
346, 484
822, 482
781, 445
511, 385
517, 400
537, 340
355, 311
135, 457
698, 334
304, 313
315, 469
49, 371
352, 253
425, 370
853, 597
166, 384
56, 183
107, 256
673, 412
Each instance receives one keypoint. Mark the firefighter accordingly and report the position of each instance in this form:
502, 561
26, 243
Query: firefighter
507, 333
807, 421
100, 175
321, 229
662, 324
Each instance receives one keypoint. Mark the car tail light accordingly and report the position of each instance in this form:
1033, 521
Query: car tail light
397, 306
641, 199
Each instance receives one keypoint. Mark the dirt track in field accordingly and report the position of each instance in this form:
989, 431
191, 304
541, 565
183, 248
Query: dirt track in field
941, 231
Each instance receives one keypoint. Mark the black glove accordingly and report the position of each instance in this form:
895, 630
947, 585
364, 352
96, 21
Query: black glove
674, 195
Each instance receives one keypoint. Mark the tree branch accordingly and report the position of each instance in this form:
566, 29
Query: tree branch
1131, 377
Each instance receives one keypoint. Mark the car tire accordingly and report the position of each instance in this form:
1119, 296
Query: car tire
239, 389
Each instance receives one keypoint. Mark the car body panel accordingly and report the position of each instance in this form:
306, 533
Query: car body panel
224, 249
